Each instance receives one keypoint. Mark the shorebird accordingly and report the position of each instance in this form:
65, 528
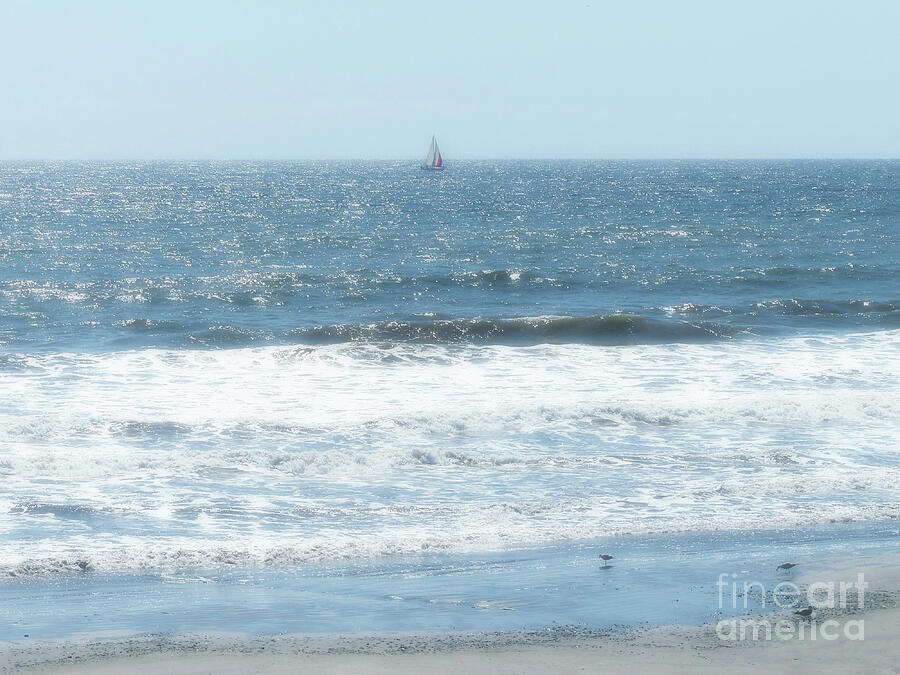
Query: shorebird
804, 612
605, 557
786, 566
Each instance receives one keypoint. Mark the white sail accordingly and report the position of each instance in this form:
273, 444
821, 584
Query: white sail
434, 159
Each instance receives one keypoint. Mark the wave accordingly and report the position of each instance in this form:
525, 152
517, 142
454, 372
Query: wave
476, 433
794, 273
151, 325
688, 322
303, 390
481, 528
789, 307
608, 329
826, 307
599, 330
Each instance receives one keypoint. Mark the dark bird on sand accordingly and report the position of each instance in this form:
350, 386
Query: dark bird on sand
786, 566
804, 612
605, 557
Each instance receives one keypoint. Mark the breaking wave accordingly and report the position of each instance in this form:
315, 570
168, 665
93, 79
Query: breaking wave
600, 330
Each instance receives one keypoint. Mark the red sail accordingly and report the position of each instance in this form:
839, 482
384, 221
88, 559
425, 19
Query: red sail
439, 160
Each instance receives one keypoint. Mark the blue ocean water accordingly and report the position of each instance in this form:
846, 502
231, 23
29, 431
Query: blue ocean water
259, 366
107, 257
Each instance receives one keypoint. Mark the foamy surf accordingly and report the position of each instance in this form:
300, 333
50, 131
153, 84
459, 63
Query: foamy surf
274, 456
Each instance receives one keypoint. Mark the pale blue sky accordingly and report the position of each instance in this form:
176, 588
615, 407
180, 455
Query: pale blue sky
588, 79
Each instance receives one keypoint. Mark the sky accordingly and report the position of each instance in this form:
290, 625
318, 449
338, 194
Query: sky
374, 80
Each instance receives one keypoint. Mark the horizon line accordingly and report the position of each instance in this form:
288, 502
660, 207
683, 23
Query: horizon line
458, 159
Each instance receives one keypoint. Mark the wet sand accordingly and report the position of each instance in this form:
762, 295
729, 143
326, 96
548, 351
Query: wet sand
661, 650
669, 649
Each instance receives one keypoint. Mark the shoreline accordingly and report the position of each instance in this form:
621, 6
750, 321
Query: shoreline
563, 649
668, 649
653, 648
657, 580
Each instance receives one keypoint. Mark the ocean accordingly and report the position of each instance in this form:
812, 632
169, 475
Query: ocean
333, 379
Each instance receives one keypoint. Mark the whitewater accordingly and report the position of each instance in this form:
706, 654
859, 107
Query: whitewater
274, 455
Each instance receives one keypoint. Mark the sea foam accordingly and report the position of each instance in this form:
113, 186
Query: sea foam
160, 459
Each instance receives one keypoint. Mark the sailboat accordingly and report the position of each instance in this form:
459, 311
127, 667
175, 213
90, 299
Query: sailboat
434, 161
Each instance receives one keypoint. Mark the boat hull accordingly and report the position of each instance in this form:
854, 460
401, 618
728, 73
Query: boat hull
426, 167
